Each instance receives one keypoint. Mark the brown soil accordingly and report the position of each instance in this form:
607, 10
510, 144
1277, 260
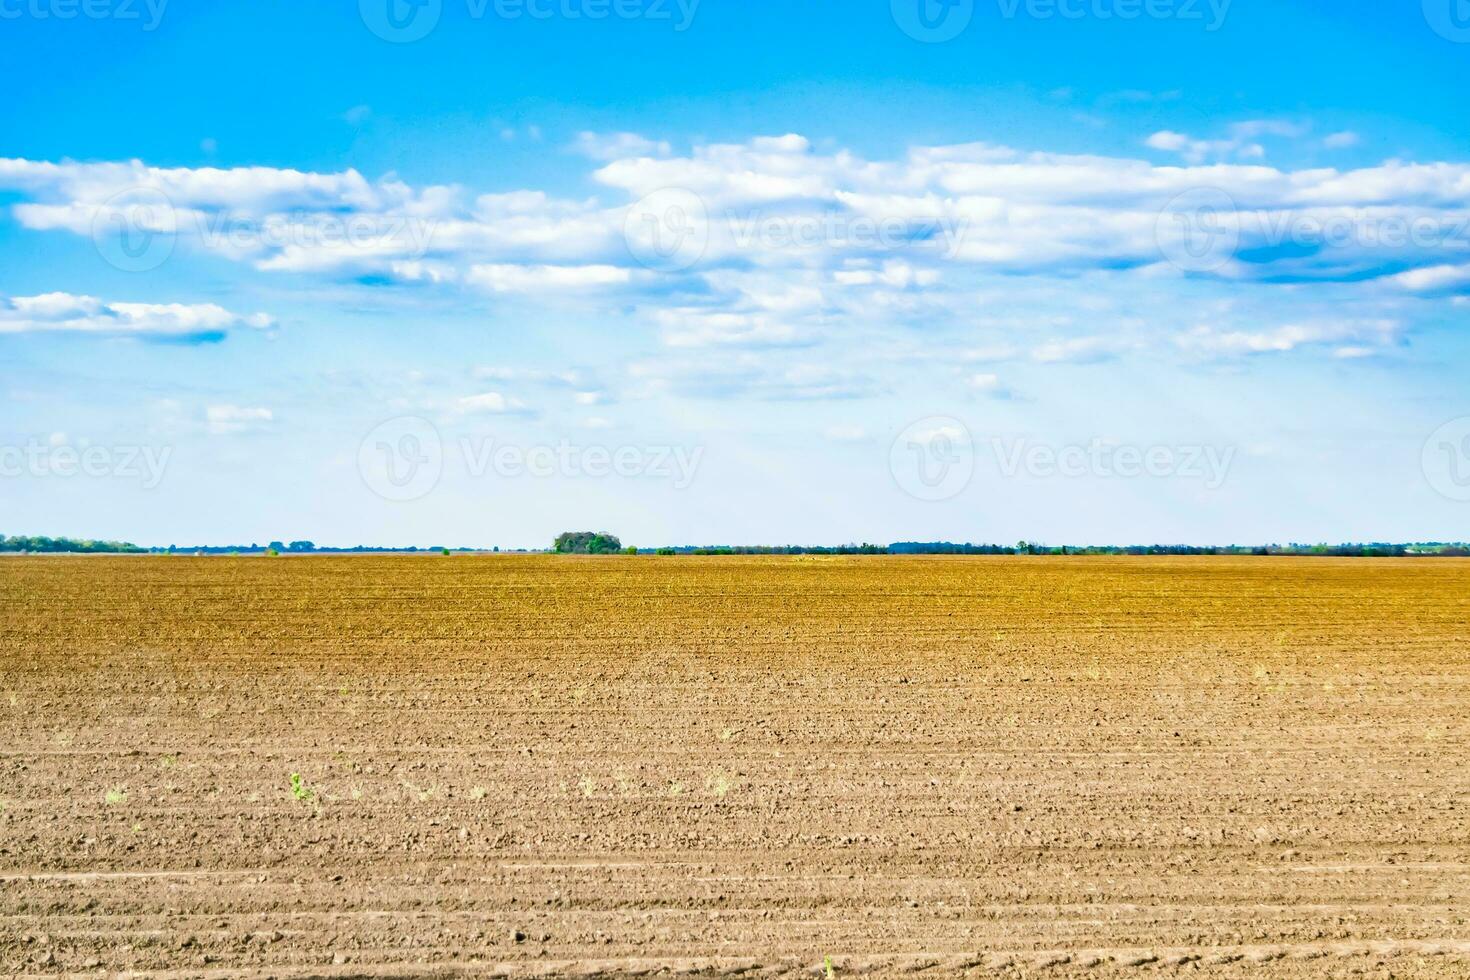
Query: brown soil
524, 765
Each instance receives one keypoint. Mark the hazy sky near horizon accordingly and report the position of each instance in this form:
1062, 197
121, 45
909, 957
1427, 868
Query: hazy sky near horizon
470, 272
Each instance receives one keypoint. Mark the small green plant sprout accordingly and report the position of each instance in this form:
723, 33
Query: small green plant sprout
115, 796
300, 790
828, 970
167, 762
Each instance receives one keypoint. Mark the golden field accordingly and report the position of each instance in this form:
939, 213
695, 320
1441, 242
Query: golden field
408, 766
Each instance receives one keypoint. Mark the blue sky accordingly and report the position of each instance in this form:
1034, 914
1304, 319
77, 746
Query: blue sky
1096, 271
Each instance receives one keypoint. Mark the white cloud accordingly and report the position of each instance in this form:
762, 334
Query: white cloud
749, 376
66, 312
1342, 141
943, 433
492, 403
772, 203
1241, 143
712, 328
1433, 278
1080, 350
559, 379
232, 419
801, 243
617, 146
1212, 342
1198, 151
989, 385
547, 278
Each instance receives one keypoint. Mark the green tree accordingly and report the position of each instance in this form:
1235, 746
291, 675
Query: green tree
586, 543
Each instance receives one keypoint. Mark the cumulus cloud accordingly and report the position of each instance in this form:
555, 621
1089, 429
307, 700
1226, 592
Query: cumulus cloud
768, 203
66, 312
780, 244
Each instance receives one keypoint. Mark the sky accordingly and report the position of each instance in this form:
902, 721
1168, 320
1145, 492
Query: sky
476, 272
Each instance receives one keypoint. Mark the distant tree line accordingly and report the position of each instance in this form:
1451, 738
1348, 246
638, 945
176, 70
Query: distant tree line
43, 544
1374, 550
602, 543
788, 549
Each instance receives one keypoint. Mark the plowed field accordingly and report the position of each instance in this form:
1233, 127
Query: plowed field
428, 766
